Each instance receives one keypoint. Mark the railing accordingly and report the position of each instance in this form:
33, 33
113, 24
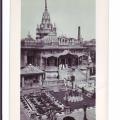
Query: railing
40, 44
31, 44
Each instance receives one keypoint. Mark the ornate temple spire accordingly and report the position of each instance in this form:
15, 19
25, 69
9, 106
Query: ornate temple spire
46, 26
45, 4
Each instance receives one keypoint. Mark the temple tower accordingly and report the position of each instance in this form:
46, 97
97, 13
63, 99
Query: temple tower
46, 27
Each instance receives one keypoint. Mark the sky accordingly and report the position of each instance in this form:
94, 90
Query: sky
66, 14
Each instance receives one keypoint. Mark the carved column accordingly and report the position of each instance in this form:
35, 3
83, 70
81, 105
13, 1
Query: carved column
40, 60
57, 62
78, 61
35, 60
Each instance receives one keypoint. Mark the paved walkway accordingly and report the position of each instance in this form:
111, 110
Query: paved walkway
65, 73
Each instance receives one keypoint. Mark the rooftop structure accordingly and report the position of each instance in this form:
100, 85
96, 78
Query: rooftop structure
46, 28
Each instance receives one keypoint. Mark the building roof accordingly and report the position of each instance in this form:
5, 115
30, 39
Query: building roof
30, 69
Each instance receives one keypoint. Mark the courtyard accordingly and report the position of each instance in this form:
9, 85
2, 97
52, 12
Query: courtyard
59, 95
57, 74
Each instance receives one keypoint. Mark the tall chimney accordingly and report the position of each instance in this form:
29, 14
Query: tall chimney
79, 34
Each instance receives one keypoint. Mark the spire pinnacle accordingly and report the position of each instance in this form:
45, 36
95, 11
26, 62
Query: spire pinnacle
45, 4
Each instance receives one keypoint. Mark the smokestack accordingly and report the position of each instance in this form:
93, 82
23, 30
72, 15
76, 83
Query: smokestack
79, 34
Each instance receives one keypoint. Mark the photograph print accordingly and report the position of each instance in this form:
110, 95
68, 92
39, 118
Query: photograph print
58, 60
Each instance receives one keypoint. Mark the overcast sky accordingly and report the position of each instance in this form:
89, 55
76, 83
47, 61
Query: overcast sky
66, 14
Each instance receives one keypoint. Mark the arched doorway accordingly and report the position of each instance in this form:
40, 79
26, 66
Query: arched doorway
68, 118
52, 61
69, 59
72, 60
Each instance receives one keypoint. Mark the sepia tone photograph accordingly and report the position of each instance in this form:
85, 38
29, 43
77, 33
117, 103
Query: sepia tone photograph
58, 60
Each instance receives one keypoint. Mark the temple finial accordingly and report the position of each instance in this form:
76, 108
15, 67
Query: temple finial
29, 35
45, 4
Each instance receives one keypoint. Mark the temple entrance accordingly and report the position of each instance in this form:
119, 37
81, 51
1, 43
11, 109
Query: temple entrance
64, 59
69, 62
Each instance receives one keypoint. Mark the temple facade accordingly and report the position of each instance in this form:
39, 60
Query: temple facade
57, 74
48, 49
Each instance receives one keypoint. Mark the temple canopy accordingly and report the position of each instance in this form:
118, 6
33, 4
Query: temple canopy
30, 69
81, 54
64, 53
